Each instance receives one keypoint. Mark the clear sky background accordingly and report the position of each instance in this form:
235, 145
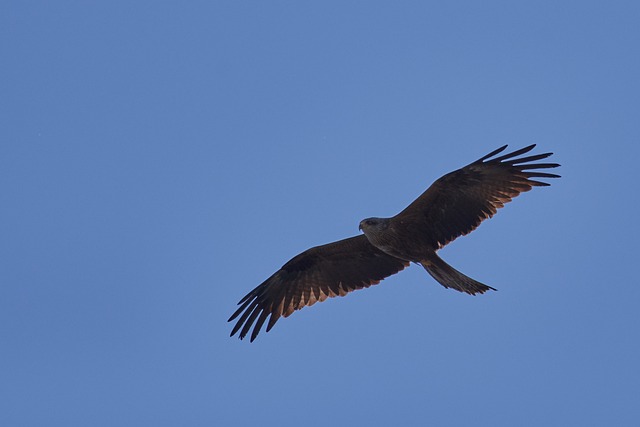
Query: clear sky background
158, 160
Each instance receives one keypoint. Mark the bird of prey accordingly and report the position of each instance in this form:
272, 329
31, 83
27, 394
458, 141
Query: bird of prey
452, 206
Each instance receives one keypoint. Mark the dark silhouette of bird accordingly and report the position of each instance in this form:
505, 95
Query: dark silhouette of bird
454, 205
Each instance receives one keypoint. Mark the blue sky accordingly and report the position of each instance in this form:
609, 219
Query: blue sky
158, 160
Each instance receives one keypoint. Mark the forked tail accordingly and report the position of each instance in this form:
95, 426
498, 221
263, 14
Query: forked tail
449, 277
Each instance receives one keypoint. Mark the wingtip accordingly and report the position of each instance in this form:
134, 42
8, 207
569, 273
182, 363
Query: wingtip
235, 314
493, 153
235, 329
514, 154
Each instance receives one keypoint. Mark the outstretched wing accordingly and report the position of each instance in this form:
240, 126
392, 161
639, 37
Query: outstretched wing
458, 202
314, 275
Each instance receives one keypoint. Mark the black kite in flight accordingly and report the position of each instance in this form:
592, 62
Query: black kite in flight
453, 206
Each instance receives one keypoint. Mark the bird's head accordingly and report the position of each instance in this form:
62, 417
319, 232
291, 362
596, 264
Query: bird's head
373, 224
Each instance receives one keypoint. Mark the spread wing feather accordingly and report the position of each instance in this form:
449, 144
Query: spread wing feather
458, 202
319, 273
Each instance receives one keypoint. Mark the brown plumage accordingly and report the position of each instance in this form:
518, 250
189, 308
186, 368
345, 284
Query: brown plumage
452, 206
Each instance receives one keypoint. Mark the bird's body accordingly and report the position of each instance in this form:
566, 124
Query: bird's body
452, 206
